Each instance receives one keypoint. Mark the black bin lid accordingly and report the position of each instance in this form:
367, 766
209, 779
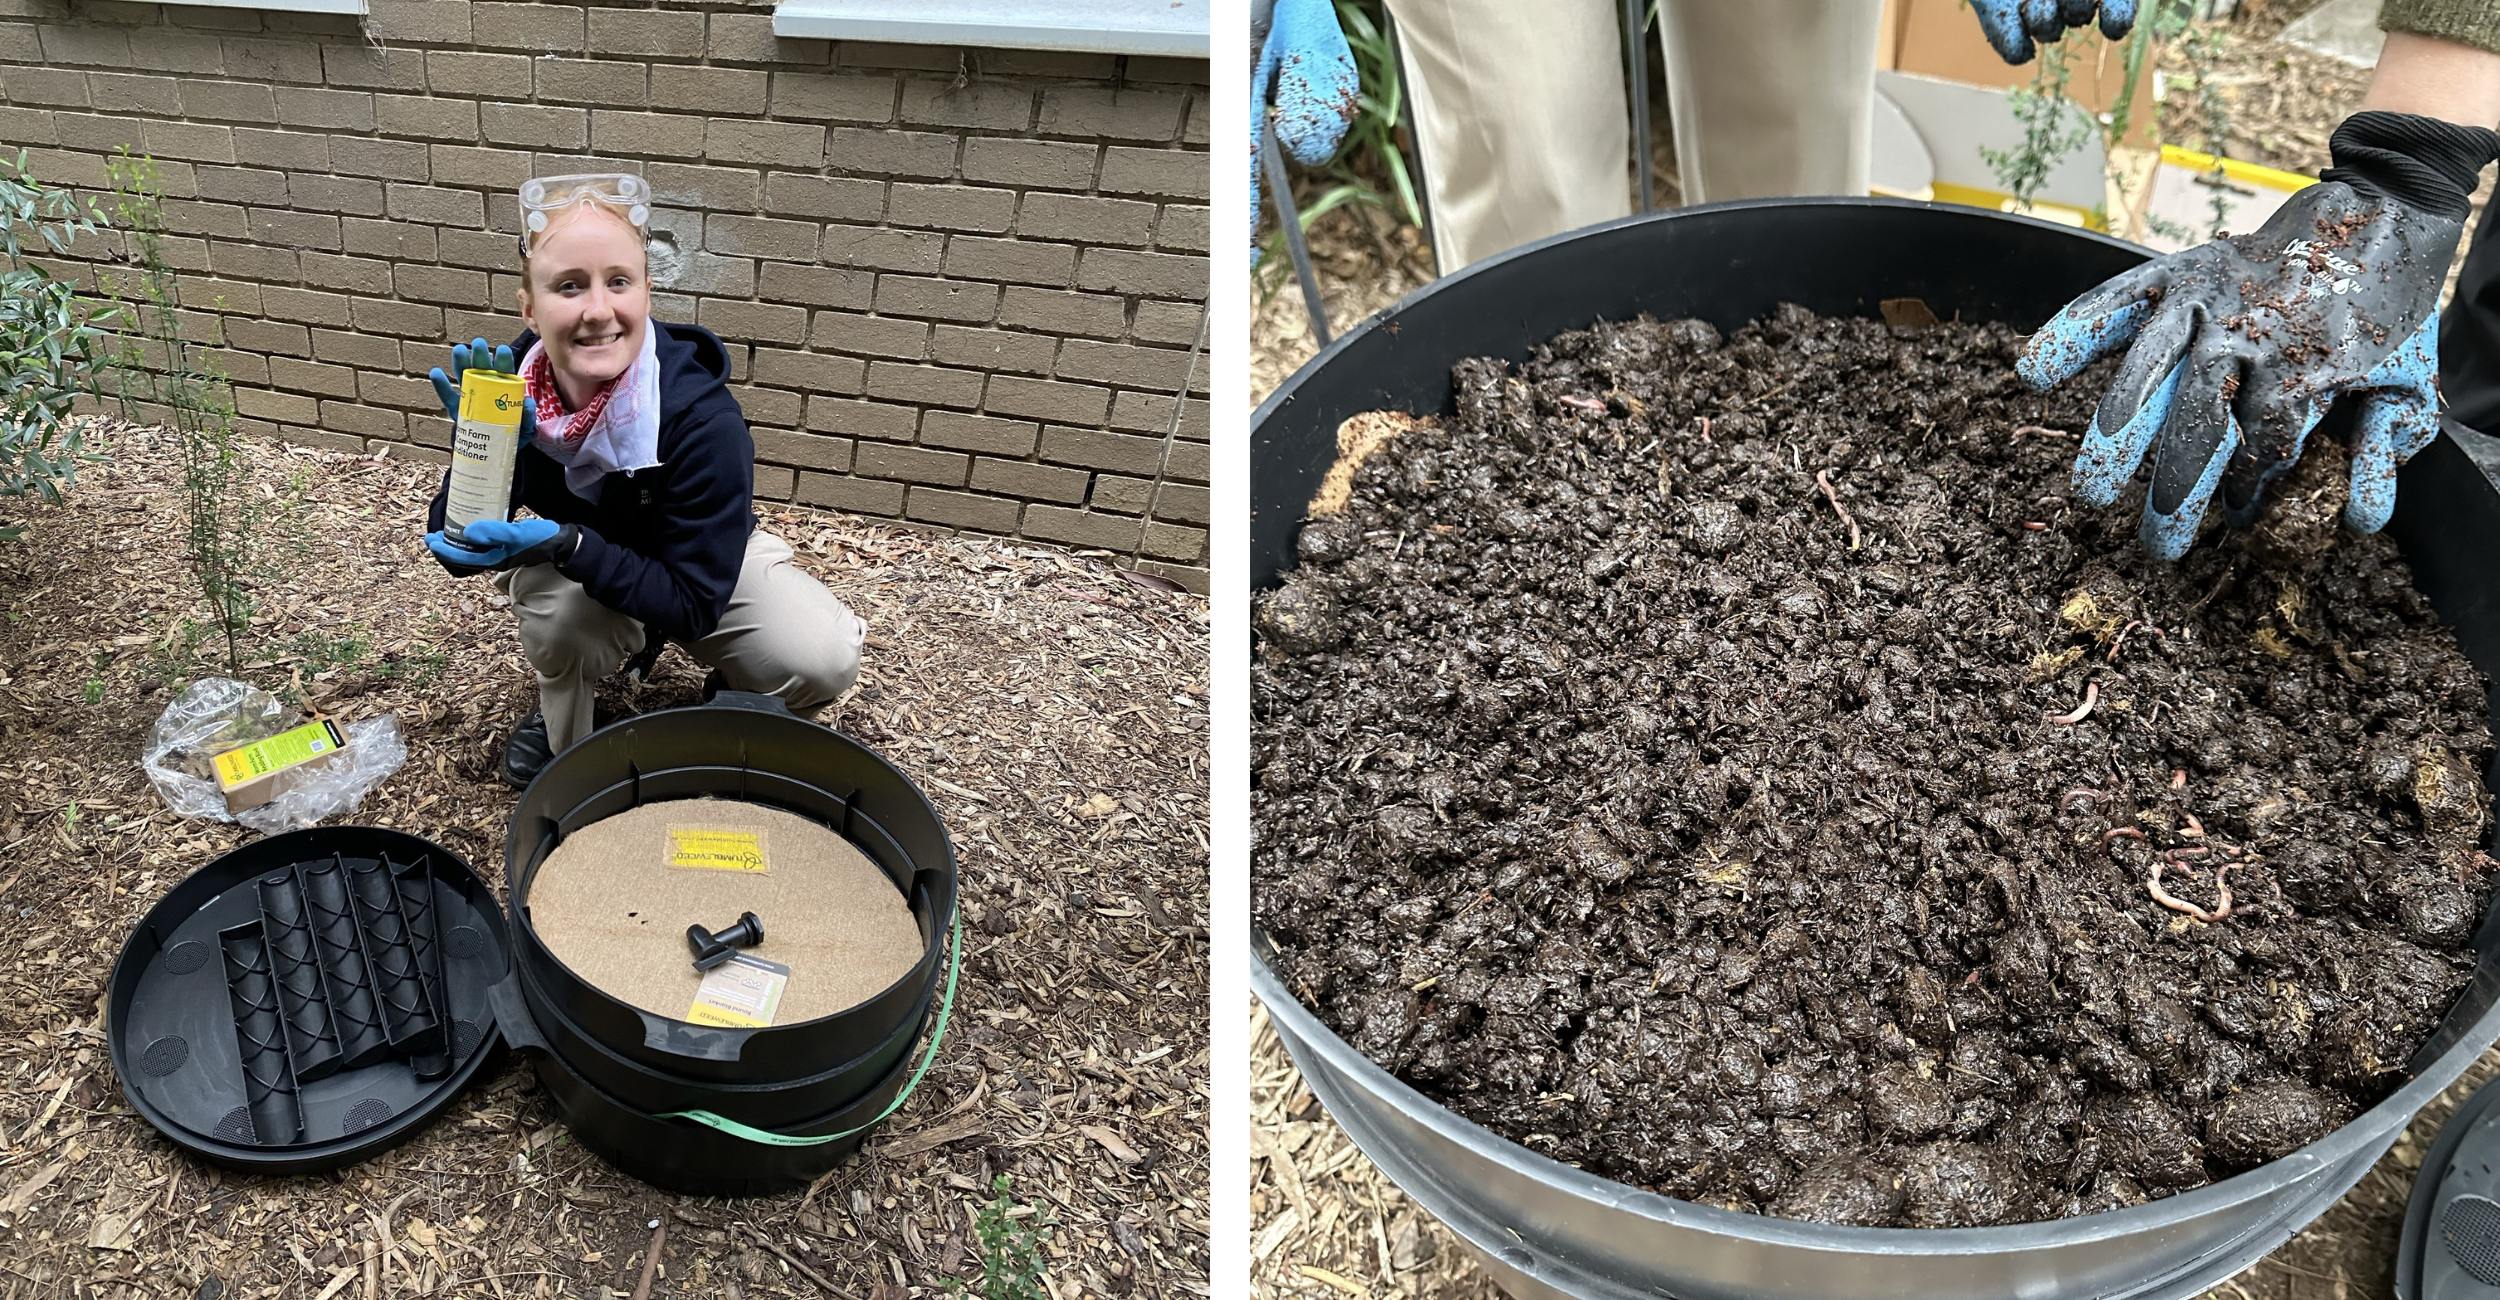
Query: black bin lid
310, 999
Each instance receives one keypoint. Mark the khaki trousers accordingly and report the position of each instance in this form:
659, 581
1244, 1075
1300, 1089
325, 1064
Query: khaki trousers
783, 635
1521, 108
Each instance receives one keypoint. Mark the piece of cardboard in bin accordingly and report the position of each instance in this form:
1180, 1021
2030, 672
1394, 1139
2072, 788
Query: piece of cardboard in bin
614, 900
1938, 129
2179, 210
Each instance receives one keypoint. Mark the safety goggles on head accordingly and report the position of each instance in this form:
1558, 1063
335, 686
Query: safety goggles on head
543, 197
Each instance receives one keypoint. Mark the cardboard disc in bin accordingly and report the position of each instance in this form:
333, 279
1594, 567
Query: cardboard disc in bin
614, 900
308, 1000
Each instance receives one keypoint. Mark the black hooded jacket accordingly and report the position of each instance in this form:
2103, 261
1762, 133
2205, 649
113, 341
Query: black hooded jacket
662, 545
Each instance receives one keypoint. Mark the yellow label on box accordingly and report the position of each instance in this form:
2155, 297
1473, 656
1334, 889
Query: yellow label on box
714, 850
281, 751
741, 993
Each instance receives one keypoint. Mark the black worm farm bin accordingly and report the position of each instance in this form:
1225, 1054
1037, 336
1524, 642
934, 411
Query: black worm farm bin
1545, 1229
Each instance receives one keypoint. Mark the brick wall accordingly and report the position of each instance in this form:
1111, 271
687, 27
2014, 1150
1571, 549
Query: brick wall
960, 286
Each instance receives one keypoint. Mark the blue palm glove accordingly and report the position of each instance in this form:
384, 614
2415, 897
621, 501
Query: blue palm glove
494, 544
475, 355
2012, 25
2235, 349
1306, 70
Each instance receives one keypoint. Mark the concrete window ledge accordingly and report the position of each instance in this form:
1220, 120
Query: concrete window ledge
1173, 28
356, 7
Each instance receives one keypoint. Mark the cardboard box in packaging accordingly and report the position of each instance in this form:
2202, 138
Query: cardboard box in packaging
261, 771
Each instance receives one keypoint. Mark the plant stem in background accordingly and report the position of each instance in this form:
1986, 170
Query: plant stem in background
2174, 23
2054, 126
2202, 50
52, 344
161, 383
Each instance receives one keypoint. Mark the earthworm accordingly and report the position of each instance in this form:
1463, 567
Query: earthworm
2178, 778
2133, 625
1579, 403
1705, 428
1823, 480
2193, 829
2091, 696
2222, 892
2034, 526
2066, 802
2182, 855
2042, 429
2121, 832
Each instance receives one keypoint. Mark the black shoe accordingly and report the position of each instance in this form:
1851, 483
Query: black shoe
526, 754
638, 669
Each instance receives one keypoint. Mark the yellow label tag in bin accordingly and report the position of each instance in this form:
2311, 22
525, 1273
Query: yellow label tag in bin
706, 1014
741, 993
698, 849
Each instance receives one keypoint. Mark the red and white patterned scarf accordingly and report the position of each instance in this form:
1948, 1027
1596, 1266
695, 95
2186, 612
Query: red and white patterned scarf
617, 429
539, 381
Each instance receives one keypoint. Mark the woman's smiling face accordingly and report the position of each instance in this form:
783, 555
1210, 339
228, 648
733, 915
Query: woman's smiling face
587, 293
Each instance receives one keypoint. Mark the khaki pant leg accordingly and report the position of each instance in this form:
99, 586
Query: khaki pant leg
784, 634
1521, 112
1772, 98
572, 641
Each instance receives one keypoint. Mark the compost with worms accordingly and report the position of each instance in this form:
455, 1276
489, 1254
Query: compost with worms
1735, 767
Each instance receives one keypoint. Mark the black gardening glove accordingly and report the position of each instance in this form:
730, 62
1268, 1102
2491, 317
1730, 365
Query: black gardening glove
2239, 346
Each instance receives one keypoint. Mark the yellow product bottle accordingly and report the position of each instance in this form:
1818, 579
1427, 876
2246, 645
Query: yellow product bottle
484, 441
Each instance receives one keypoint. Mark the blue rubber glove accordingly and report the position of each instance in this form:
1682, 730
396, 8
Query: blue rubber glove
1305, 70
2012, 25
2236, 349
475, 355
495, 544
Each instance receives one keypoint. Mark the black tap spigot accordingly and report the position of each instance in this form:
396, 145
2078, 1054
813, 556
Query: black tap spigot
711, 949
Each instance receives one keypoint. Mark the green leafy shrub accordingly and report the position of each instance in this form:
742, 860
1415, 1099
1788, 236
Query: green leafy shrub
1011, 1248
52, 343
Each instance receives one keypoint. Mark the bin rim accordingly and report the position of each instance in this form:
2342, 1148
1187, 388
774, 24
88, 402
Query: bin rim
1386, 316
1302, 1027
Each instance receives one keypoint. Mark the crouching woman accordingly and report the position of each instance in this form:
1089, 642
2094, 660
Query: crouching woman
637, 464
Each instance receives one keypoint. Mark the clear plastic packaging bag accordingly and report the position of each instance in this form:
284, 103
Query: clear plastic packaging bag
215, 714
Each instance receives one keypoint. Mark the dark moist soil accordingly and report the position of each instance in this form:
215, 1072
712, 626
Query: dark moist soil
1672, 835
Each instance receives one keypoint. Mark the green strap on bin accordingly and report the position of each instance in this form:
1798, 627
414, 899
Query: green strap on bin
946, 1011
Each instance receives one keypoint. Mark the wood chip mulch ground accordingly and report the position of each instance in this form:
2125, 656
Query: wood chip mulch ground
1054, 709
